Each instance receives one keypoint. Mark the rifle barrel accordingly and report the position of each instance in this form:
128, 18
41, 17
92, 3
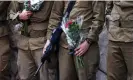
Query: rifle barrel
38, 69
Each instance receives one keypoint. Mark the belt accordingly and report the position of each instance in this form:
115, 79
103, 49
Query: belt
37, 33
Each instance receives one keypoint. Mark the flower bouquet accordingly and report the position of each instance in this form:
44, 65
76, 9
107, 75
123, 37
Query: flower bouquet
72, 29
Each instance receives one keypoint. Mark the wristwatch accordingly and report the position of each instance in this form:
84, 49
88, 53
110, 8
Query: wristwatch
88, 40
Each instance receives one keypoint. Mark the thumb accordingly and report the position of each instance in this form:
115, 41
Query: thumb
44, 49
45, 46
77, 48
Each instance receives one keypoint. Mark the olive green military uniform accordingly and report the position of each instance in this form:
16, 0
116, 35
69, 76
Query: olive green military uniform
120, 47
4, 42
13, 40
30, 48
14, 52
93, 13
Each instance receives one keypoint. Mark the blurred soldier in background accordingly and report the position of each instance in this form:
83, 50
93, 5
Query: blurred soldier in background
4, 42
13, 41
120, 47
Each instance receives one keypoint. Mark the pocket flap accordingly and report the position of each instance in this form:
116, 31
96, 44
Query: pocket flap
130, 17
115, 17
39, 26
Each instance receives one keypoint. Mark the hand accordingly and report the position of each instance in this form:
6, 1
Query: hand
82, 49
45, 46
25, 15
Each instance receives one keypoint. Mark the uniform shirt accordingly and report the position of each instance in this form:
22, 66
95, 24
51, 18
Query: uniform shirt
3, 17
37, 28
121, 22
92, 11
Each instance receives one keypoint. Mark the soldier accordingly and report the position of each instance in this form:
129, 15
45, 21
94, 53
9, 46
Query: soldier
4, 42
93, 13
30, 45
120, 46
13, 41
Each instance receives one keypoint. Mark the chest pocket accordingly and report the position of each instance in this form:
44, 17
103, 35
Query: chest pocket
127, 23
38, 30
114, 20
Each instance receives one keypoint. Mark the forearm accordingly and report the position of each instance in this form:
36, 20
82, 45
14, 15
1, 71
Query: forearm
55, 17
98, 20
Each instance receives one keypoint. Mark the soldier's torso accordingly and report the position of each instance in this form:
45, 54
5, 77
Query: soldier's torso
122, 17
37, 28
3, 10
123, 8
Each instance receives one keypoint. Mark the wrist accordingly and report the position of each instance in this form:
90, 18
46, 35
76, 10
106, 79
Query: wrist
19, 16
88, 40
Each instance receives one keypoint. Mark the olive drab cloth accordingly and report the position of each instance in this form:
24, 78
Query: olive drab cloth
120, 61
3, 18
30, 47
120, 47
121, 22
37, 29
93, 13
4, 42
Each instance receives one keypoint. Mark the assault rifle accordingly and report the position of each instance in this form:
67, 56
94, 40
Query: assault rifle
55, 38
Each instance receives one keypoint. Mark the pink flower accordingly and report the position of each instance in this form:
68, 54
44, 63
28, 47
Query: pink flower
68, 23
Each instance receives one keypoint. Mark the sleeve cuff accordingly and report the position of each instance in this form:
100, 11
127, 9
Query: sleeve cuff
49, 35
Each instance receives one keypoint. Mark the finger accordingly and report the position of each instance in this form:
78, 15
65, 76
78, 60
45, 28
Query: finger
81, 53
85, 50
77, 52
24, 18
44, 50
29, 13
77, 48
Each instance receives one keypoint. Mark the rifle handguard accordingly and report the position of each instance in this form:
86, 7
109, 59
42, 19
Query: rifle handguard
47, 53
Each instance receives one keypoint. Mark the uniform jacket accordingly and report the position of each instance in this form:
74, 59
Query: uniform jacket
3, 18
92, 11
121, 21
38, 26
